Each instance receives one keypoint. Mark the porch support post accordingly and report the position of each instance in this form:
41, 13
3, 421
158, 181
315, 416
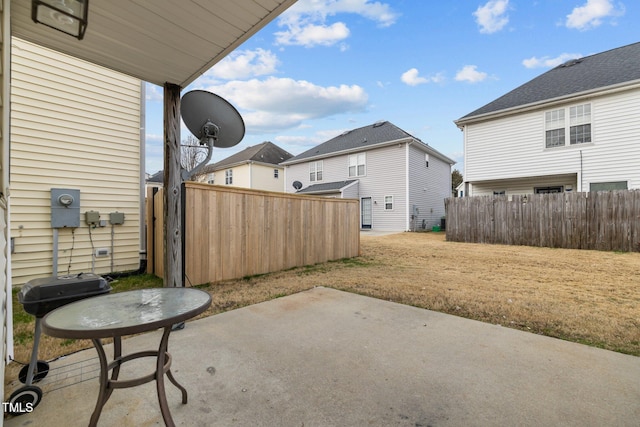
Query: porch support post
172, 188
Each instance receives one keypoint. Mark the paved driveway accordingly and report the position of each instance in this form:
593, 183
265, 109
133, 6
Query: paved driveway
330, 358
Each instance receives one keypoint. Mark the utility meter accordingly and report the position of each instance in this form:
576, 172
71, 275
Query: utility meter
65, 208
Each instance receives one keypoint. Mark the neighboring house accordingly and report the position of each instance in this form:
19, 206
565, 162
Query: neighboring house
155, 180
400, 181
573, 128
74, 126
255, 167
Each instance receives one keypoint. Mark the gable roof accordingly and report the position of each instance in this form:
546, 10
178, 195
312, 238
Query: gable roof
379, 133
267, 153
156, 177
608, 69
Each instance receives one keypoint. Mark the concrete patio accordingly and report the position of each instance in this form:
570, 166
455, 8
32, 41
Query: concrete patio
330, 358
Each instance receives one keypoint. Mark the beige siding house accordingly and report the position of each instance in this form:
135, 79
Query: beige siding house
76, 126
257, 167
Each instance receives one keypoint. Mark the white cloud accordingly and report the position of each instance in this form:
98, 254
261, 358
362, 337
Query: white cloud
311, 35
469, 73
275, 104
548, 62
306, 23
153, 92
492, 17
412, 78
244, 64
590, 15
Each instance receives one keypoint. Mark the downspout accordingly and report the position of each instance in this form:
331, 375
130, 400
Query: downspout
407, 216
580, 179
142, 266
143, 155
5, 143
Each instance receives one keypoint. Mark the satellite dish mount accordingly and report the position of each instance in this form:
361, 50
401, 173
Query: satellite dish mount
212, 120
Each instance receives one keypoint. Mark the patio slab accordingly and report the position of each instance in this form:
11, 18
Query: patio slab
329, 358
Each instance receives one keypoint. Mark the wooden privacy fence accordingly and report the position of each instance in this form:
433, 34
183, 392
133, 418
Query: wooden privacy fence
233, 232
604, 220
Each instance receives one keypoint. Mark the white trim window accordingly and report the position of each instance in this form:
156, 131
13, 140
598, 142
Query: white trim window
578, 127
388, 203
357, 164
228, 177
276, 173
315, 171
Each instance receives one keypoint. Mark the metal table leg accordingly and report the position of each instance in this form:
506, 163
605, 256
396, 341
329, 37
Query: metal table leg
163, 366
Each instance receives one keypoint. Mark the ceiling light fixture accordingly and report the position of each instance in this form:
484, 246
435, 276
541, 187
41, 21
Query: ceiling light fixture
68, 16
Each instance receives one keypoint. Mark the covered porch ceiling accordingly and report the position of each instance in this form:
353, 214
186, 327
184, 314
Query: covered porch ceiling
158, 41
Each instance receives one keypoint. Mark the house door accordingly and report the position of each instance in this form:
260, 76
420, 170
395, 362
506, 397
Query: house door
365, 212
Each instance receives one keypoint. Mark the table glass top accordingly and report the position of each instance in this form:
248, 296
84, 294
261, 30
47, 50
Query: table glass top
127, 309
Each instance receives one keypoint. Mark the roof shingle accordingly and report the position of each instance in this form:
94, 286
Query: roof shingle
610, 68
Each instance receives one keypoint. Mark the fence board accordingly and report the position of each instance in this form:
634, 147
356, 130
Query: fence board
232, 232
604, 220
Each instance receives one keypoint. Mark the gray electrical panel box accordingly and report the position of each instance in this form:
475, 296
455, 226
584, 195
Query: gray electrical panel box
92, 218
65, 208
116, 218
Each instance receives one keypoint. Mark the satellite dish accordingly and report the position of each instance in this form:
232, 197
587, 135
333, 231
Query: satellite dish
297, 185
212, 120
203, 112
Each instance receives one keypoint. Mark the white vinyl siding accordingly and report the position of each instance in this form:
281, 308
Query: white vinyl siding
429, 187
524, 185
510, 147
385, 176
74, 125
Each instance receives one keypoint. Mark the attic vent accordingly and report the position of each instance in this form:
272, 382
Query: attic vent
571, 63
379, 123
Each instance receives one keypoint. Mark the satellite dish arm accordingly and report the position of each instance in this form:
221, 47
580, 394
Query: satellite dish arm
210, 134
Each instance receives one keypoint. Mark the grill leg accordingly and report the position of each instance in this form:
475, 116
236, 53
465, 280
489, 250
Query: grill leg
34, 353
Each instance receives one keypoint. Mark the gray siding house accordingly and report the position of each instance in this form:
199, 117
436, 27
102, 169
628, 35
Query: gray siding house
400, 181
574, 128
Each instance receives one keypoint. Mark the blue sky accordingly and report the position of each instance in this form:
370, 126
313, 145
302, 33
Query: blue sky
326, 66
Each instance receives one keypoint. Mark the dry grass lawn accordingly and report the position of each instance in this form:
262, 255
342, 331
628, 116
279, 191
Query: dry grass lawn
589, 297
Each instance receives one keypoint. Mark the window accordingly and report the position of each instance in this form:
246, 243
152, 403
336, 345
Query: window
499, 193
388, 203
548, 190
608, 186
578, 126
426, 159
315, 171
276, 173
228, 177
211, 178
357, 164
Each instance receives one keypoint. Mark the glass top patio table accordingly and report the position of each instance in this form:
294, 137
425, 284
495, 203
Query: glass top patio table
125, 313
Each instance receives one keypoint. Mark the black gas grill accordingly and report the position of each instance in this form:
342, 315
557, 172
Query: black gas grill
39, 297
